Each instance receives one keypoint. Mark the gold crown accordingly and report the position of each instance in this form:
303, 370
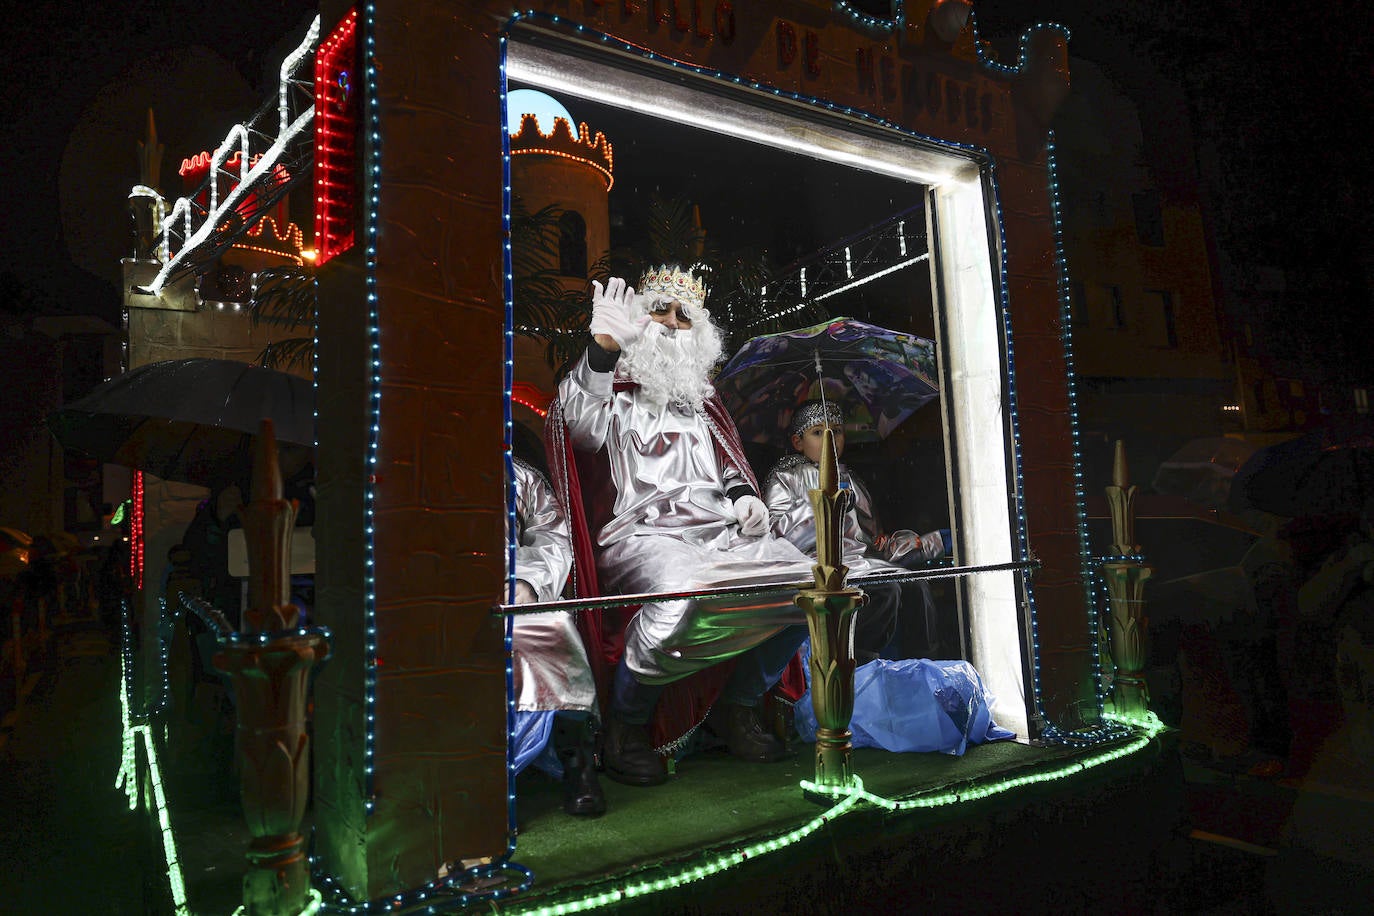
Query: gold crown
671, 282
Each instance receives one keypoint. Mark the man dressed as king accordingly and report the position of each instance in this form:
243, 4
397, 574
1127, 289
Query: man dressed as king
671, 506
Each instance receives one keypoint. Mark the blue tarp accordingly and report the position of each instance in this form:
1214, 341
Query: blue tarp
913, 704
529, 740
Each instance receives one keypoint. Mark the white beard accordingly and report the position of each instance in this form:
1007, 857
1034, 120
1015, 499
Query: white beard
674, 367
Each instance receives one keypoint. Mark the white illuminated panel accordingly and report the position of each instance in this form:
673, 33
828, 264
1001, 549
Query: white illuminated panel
638, 92
972, 348
973, 396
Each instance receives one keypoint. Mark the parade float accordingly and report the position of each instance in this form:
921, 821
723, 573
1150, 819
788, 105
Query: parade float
897, 172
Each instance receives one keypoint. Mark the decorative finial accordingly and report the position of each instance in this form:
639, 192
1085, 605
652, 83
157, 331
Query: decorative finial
1121, 472
150, 156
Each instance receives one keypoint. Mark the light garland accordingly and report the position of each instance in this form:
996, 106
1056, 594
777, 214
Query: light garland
563, 128
1018, 491
264, 164
542, 411
883, 23
1088, 568
133, 733
850, 798
260, 249
373, 158
290, 233
127, 777
688, 873
143, 192
334, 141
136, 544
508, 432
583, 160
1023, 46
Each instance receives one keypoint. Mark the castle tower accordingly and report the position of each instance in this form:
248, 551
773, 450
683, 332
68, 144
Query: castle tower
550, 165
553, 166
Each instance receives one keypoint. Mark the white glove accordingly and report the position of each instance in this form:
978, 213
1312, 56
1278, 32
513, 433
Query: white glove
524, 593
932, 546
613, 313
752, 515
900, 543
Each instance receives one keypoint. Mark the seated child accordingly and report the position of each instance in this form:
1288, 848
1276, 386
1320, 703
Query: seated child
554, 693
867, 551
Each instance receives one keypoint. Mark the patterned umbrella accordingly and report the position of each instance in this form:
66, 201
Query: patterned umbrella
878, 376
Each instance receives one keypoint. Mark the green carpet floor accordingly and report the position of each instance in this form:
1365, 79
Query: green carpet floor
716, 801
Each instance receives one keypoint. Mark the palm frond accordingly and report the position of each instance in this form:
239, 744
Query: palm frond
288, 353
674, 234
284, 296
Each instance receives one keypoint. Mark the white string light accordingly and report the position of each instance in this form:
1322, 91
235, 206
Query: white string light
250, 172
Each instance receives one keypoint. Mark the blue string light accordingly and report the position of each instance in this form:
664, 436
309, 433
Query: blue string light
1023, 46
1018, 490
867, 20
1088, 568
508, 432
374, 174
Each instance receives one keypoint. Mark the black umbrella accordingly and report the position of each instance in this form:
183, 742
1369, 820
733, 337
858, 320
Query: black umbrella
1328, 471
1201, 470
191, 420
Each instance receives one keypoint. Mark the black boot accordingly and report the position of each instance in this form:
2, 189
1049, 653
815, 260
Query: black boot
746, 739
628, 755
575, 744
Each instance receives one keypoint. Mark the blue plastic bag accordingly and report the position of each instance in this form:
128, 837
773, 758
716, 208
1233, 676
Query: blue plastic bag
529, 741
913, 704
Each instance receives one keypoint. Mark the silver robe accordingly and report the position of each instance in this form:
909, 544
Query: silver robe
665, 524
550, 662
787, 491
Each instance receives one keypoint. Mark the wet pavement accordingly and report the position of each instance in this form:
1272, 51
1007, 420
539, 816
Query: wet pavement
68, 841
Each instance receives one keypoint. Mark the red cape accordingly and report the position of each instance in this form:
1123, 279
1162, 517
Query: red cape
684, 703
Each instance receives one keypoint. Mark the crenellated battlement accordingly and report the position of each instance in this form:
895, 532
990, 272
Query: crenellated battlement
593, 150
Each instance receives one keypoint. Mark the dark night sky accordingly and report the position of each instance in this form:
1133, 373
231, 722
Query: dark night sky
1281, 104
58, 58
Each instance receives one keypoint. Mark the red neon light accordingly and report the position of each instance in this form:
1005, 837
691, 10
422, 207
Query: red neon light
337, 93
136, 530
543, 412
194, 170
530, 396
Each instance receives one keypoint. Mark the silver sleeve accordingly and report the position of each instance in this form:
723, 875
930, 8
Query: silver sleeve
543, 552
586, 398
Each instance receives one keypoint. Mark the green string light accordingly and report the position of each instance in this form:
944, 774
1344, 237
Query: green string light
314, 906
853, 797
127, 778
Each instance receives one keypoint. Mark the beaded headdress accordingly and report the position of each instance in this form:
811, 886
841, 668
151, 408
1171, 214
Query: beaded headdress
670, 282
816, 413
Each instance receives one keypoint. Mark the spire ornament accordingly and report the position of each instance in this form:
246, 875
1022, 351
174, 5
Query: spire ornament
830, 607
